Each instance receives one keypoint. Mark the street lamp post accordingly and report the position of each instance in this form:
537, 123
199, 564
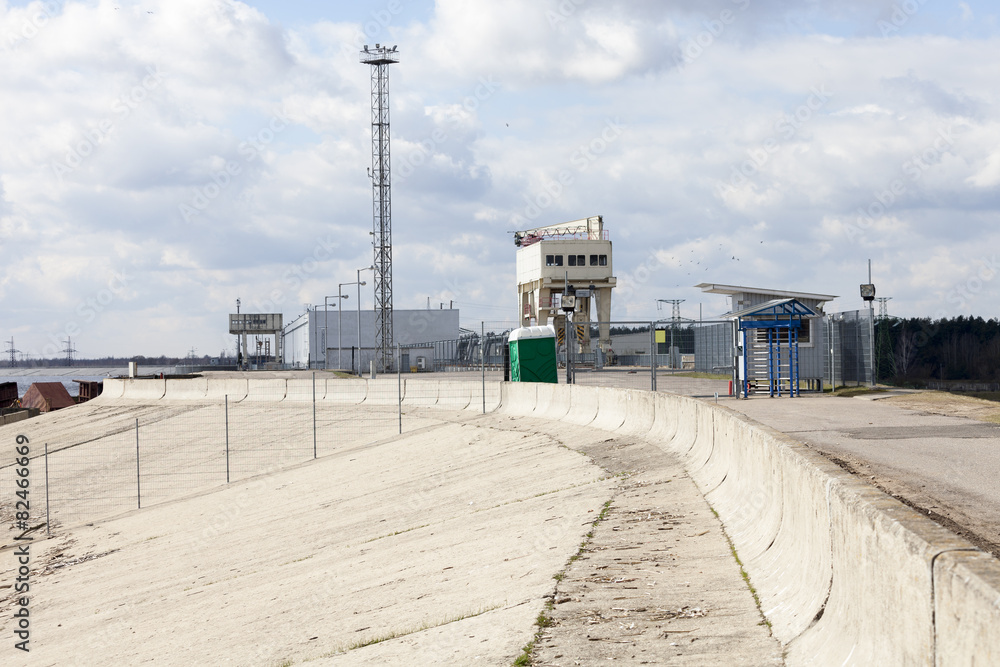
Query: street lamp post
340, 288
360, 283
326, 326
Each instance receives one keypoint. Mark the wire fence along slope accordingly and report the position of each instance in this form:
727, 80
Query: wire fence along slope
114, 455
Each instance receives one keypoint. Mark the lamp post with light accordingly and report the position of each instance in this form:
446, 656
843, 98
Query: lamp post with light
360, 283
326, 325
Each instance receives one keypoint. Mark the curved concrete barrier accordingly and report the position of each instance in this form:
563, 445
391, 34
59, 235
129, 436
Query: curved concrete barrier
146, 389
640, 413
664, 420
492, 398
967, 609
420, 392
187, 389
382, 391
219, 388
113, 389
518, 398
793, 576
550, 402
457, 395
582, 405
611, 409
270, 389
303, 390
845, 574
343, 391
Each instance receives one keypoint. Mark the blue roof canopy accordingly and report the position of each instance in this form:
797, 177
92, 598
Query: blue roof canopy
771, 314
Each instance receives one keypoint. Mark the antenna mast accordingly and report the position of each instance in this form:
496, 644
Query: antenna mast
379, 59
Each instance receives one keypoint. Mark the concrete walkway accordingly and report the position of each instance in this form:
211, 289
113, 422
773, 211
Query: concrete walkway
440, 546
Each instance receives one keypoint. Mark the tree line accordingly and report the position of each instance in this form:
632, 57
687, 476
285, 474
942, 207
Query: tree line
916, 350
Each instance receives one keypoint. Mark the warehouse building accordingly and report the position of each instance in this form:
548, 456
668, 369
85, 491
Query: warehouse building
325, 338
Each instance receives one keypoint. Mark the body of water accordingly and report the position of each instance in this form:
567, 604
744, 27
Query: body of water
25, 377
25, 381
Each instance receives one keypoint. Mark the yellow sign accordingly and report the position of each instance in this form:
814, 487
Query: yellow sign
661, 336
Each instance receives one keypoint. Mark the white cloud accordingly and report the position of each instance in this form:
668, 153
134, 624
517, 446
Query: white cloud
500, 113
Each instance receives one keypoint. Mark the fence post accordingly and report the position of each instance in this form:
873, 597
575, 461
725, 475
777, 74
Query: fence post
399, 388
138, 488
652, 356
314, 415
48, 520
227, 438
482, 348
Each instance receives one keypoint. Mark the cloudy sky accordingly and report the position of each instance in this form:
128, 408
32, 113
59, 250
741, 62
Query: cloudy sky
162, 158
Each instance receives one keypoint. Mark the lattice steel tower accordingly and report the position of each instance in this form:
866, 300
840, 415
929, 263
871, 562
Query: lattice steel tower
13, 352
380, 58
883, 341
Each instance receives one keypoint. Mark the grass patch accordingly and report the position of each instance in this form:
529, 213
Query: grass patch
398, 532
702, 376
848, 392
985, 395
544, 620
743, 572
395, 634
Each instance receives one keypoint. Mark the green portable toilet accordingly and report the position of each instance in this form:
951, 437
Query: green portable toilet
533, 355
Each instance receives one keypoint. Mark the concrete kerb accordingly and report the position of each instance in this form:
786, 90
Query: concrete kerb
722, 450
145, 389
187, 389
967, 609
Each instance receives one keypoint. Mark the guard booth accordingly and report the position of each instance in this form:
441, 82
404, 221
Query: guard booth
769, 346
533, 355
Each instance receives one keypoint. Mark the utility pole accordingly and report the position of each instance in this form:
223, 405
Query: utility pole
69, 351
883, 350
379, 59
675, 319
13, 352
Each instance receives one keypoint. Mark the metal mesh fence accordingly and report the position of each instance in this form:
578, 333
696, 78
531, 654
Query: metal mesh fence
100, 460
121, 456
